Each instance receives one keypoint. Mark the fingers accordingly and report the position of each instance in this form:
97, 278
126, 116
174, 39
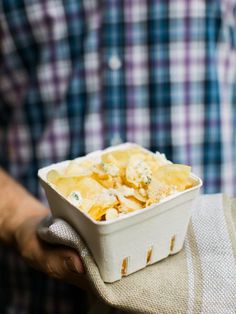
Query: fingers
65, 265
56, 261
59, 262
72, 265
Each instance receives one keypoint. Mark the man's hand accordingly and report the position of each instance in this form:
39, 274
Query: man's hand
56, 261
20, 214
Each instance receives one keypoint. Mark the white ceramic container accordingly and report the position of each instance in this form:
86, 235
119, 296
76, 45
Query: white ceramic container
131, 242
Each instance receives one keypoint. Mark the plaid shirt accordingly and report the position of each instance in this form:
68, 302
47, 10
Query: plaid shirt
80, 75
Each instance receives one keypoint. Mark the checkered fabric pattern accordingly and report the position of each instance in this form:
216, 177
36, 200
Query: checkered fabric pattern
80, 75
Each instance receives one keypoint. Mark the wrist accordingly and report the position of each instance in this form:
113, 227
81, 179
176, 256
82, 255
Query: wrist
28, 209
18, 215
16, 206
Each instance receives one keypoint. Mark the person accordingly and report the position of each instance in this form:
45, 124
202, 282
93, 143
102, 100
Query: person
81, 75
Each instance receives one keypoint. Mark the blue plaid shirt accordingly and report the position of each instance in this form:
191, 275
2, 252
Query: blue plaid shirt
80, 75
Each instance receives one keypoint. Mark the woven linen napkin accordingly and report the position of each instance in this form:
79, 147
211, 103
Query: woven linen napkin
199, 279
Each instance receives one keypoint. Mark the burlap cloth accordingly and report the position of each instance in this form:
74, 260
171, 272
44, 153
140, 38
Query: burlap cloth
199, 279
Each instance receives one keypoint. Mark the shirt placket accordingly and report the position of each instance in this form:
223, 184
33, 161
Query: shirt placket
114, 91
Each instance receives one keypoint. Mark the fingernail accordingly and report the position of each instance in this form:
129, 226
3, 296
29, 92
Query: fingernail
71, 265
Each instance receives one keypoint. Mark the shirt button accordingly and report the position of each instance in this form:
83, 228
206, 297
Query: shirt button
114, 63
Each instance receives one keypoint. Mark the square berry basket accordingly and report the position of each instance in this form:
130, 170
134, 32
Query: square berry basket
129, 243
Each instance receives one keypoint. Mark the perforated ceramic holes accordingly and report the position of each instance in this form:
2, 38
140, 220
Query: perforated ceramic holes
172, 243
124, 267
149, 255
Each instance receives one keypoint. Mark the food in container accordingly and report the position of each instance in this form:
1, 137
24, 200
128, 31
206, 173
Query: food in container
131, 206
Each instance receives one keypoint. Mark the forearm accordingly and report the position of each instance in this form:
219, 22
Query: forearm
16, 205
